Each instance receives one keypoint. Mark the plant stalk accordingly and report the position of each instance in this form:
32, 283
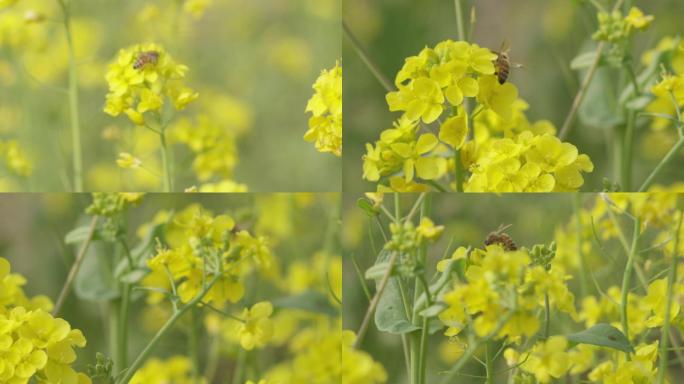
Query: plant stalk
627, 277
664, 162
671, 279
75, 267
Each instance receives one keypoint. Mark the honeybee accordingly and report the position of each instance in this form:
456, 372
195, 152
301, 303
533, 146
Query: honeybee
500, 237
144, 58
503, 64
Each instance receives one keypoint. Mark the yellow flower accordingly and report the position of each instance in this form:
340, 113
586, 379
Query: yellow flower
498, 97
454, 130
426, 167
358, 367
428, 230
176, 369
422, 99
257, 328
140, 78
636, 19
548, 359
325, 126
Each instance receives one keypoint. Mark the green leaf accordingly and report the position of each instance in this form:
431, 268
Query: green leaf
602, 335
377, 271
311, 301
600, 108
390, 315
95, 280
367, 207
133, 276
433, 310
79, 235
583, 60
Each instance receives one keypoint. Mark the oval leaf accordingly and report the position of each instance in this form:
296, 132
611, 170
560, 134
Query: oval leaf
367, 207
78, 235
602, 335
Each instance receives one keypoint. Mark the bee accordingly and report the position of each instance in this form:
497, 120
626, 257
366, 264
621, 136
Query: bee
503, 64
144, 58
500, 237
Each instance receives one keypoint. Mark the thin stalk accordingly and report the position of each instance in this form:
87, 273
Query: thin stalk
75, 267
113, 310
665, 334
167, 181
164, 329
460, 25
374, 302
213, 360
489, 363
73, 103
627, 277
193, 342
240, 367
577, 205
372, 67
664, 162
628, 148
122, 321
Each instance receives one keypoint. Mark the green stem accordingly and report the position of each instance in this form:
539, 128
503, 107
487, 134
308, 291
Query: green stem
664, 162
193, 342
372, 67
122, 321
165, 329
577, 205
75, 267
459, 20
627, 277
628, 148
113, 312
240, 367
168, 184
671, 279
213, 360
73, 104
489, 363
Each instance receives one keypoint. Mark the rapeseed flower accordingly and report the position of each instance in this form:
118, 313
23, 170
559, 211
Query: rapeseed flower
325, 124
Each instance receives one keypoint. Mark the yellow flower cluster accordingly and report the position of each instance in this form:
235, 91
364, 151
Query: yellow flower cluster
33, 344
358, 367
526, 163
140, 79
501, 284
669, 92
325, 124
197, 244
614, 27
176, 369
503, 152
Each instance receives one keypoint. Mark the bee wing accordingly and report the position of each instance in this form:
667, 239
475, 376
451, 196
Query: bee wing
505, 46
517, 65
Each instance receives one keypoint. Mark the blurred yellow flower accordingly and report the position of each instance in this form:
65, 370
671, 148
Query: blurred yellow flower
325, 126
257, 328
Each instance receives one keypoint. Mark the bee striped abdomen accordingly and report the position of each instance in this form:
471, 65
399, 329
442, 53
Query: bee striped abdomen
144, 58
503, 239
503, 67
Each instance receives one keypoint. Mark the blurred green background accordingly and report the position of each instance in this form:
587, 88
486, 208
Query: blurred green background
544, 37
34, 226
252, 60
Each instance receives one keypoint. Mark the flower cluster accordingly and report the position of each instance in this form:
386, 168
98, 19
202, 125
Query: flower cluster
140, 79
176, 369
325, 124
502, 151
201, 247
33, 344
501, 284
614, 26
